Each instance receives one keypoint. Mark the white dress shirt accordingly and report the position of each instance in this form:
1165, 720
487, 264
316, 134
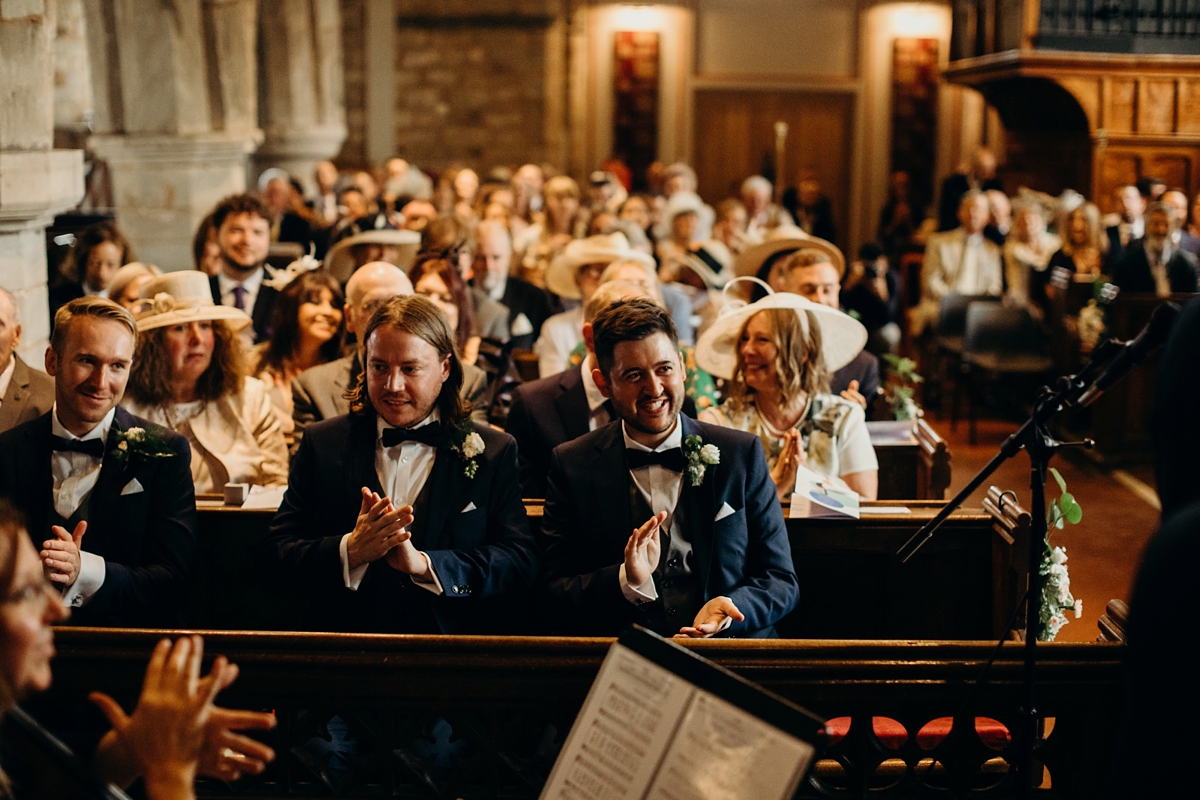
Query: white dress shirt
251, 285
74, 475
6, 376
561, 334
660, 488
402, 471
598, 415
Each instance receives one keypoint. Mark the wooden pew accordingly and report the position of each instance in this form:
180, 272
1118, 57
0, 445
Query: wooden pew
433, 716
962, 585
917, 467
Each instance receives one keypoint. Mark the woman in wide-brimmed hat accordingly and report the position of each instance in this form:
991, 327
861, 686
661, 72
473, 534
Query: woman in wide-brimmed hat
188, 376
767, 261
776, 355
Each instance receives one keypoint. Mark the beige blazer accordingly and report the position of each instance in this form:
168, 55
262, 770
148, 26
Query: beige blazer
30, 394
240, 431
943, 274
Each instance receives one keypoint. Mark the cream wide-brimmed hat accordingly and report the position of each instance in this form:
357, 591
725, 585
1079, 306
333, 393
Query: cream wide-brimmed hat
842, 336
786, 238
685, 203
178, 298
560, 275
340, 262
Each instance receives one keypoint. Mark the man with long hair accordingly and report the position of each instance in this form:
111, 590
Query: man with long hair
403, 516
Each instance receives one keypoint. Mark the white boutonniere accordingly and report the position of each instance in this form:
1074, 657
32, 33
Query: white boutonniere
700, 457
140, 443
469, 446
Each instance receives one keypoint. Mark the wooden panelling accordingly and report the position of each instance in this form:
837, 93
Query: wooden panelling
1189, 106
1156, 106
1175, 169
735, 137
1086, 92
1124, 106
1124, 163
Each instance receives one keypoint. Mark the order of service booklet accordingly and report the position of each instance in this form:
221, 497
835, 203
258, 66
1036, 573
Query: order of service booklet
661, 723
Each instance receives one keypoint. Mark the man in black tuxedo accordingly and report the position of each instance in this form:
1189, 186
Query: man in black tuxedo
709, 552
404, 516
528, 306
243, 225
119, 505
1153, 263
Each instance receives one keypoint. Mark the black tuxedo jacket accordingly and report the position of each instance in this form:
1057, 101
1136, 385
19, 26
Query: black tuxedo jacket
546, 413
744, 556
264, 308
1132, 273
522, 297
476, 536
147, 538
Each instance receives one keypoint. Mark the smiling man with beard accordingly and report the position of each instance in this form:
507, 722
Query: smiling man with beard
1153, 263
709, 553
403, 516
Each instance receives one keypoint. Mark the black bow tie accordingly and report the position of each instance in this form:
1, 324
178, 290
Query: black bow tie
93, 447
672, 459
426, 434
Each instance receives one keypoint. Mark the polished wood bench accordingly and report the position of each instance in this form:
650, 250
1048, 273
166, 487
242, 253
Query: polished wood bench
439, 716
962, 585
916, 468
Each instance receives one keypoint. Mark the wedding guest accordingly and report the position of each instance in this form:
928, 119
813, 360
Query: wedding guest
776, 355
25, 393
175, 732
686, 231
977, 176
126, 285
1153, 263
440, 281
90, 467
709, 554
1128, 224
1182, 238
189, 377
98, 252
206, 250
768, 261
563, 220
730, 228
636, 209
809, 207
1083, 242
528, 306
451, 239
243, 226
309, 331
871, 291
404, 516
1027, 254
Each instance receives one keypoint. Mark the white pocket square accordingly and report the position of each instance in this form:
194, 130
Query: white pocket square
133, 487
470, 507
726, 511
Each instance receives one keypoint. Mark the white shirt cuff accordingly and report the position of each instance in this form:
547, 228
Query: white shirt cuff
351, 578
638, 595
91, 577
434, 585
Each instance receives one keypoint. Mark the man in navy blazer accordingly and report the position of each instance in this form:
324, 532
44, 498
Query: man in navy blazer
404, 516
709, 553
117, 505
243, 224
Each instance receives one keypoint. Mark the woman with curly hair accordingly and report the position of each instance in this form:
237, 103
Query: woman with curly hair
777, 355
99, 251
309, 330
189, 375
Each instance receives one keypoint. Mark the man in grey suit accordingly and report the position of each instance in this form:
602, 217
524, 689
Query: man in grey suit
25, 393
319, 393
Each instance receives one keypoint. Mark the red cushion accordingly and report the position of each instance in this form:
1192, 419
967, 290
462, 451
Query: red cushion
891, 734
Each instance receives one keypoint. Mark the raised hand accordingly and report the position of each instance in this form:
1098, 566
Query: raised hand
790, 457
711, 619
379, 528
642, 551
60, 555
852, 394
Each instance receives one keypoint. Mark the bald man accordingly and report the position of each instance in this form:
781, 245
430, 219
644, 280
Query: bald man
528, 306
25, 393
319, 393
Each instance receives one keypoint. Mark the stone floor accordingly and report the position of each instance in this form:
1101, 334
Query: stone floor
1104, 549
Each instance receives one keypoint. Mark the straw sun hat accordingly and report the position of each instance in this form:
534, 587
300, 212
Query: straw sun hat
340, 262
842, 336
785, 239
178, 298
560, 275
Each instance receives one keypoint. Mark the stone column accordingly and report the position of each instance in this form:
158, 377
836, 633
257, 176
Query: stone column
301, 107
36, 181
176, 110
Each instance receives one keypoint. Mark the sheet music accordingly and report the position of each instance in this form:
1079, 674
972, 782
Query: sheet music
723, 753
620, 736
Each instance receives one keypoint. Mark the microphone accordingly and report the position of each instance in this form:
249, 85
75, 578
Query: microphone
1134, 352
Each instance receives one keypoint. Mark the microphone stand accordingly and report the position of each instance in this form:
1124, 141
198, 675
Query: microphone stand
1033, 437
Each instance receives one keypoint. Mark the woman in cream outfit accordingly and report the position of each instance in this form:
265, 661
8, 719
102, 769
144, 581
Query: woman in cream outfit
188, 375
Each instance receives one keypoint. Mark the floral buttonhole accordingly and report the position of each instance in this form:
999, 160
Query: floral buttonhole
700, 457
469, 446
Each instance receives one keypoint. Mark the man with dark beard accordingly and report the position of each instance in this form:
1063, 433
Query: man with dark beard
1153, 264
709, 553
243, 225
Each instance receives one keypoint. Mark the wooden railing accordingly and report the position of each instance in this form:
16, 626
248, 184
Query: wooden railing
422, 716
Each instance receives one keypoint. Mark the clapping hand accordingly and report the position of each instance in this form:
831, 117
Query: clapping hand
379, 528
711, 619
642, 551
852, 394
790, 458
60, 556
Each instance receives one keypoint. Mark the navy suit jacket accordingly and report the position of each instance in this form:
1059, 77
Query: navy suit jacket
147, 539
522, 297
479, 555
1132, 273
264, 307
745, 556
